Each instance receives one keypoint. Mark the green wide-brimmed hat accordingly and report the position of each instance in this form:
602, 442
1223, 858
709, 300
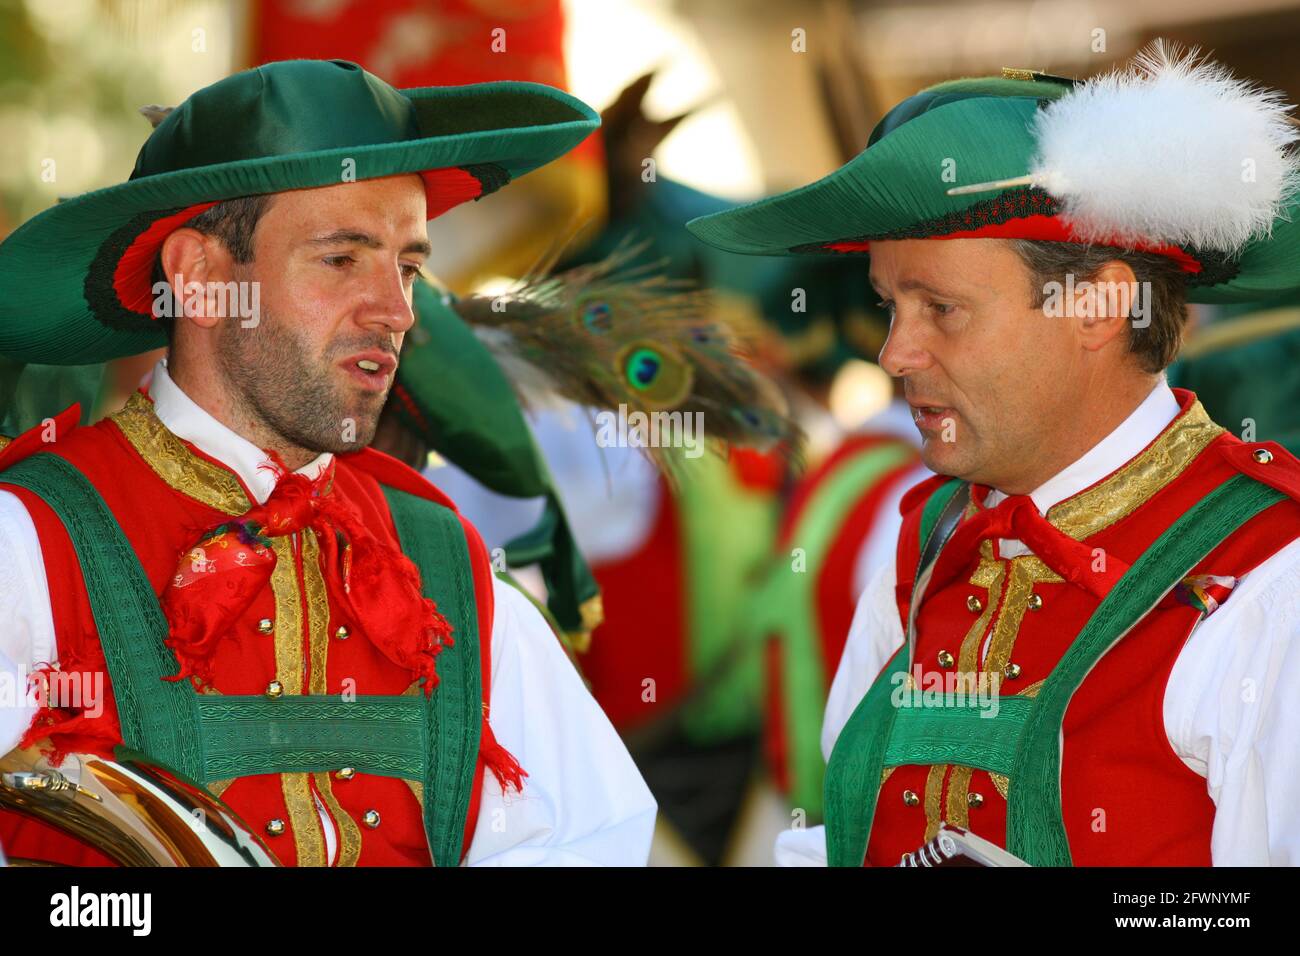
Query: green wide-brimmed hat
77, 277
1171, 155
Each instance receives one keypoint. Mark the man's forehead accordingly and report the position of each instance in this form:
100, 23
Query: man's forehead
948, 261
397, 198
352, 212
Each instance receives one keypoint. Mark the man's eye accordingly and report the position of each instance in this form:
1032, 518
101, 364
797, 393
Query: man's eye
410, 271
887, 305
942, 308
338, 262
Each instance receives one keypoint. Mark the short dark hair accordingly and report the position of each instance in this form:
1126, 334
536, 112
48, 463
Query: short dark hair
233, 221
1155, 345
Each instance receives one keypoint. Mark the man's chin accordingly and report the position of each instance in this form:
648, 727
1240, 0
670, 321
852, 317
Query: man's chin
944, 458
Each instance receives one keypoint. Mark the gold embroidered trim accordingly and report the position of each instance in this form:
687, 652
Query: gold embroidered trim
1024, 575
933, 795
990, 574
957, 810
884, 775
308, 839
288, 616
218, 787
1116, 497
174, 463
417, 788
349, 833
1033, 689
318, 612
1002, 782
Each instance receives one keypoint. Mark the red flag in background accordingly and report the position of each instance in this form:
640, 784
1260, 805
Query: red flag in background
411, 43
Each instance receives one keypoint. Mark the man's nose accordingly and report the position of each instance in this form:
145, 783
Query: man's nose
904, 351
386, 305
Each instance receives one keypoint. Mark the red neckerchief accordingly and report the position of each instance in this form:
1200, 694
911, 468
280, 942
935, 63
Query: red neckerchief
231, 563
1017, 517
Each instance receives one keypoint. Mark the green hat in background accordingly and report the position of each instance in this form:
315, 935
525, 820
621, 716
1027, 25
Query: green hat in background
77, 277
452, 393
1171, 155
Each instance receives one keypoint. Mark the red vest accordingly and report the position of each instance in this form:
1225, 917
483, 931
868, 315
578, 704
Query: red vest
164, 493
1126, 797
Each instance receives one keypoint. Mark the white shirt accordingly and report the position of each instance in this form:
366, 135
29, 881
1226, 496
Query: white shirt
1229, 709
583, 803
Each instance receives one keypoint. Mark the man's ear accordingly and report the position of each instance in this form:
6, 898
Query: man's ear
1103, 305
196, 267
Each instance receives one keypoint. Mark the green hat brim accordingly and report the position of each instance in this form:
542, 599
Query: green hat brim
896, 189
45, 317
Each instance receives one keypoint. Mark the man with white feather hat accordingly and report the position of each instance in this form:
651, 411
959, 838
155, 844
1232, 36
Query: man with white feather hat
1083, 649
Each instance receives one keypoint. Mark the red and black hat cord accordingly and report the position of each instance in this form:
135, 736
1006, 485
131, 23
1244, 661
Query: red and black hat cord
1031, 213
119, 281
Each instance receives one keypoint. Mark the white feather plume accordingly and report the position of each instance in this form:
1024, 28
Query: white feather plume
1172, 149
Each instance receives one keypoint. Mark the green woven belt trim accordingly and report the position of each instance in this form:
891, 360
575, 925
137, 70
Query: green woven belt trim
255, 735
157, 716
433, 538
958, 735
853, 772
1035, 829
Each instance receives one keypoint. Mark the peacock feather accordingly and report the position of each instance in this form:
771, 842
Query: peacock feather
610, 334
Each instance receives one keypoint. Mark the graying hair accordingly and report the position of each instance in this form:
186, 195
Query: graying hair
1155, 345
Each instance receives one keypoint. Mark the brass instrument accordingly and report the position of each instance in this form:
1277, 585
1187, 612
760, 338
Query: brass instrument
131, 808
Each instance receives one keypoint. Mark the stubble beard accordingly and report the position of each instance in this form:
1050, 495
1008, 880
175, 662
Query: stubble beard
276, 383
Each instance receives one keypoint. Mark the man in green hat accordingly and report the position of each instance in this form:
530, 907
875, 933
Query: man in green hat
1083, 649
240, 588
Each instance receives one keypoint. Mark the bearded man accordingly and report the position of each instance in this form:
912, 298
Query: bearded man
1085, 649
300, 623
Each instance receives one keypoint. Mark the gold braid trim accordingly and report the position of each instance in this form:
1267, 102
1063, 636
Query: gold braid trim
308, 839
1025, 573
349, 833
933, 795
218, 787
957, 810
174, 463
1097, 508
990, 574
1002, 782
318, 613
288, 617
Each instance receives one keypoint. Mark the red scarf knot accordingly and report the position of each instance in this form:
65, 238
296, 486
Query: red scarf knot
1018, 518
231, 564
